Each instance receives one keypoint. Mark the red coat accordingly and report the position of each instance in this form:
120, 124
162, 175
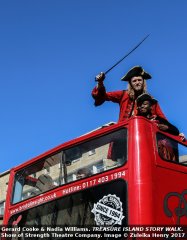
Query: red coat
127, 105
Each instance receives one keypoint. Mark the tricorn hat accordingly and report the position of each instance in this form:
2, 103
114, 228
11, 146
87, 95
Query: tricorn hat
134, 72
145, 97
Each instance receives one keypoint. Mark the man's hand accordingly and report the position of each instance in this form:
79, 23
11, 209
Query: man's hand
100, 77
182, 137
162, 127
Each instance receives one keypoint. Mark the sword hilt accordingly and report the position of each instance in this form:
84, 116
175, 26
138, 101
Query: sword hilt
100, 77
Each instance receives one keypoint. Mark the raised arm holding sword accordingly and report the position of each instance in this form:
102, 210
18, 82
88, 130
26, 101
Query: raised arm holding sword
136, 78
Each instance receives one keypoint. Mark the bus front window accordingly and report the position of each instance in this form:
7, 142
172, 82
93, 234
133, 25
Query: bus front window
71, 164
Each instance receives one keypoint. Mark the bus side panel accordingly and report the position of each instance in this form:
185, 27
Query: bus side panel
171, 196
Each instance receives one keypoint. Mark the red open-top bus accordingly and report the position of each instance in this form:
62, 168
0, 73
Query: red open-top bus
127, 174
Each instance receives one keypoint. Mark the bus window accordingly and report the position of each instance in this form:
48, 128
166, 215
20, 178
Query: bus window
182, 154
91, 207
80, 161
171, 150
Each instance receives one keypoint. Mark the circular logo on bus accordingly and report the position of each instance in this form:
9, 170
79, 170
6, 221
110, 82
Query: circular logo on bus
108, 211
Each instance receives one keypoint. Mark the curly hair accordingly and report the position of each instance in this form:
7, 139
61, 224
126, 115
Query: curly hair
131, 92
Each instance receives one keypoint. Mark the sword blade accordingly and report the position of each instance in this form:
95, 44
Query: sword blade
127, 54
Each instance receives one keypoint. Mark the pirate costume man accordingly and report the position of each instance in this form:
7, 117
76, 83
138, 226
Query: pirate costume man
125, 98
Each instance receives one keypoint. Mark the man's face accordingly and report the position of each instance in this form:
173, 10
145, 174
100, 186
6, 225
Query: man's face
144, 108
81, 175
137, 83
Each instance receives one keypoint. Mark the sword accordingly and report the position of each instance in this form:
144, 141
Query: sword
132, 50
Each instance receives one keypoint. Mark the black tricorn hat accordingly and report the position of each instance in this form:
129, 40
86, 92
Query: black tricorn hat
145, 97
134, 72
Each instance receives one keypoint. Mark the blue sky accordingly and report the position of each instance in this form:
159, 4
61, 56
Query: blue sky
51, 50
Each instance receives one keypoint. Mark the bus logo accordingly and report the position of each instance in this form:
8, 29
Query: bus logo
108, 211
181, 209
